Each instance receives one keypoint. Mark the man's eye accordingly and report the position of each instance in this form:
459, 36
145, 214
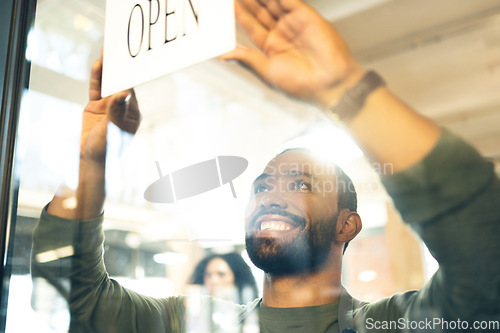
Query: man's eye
260, 188
303, 186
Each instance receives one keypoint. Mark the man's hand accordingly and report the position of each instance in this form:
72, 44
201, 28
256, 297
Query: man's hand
299, 51
303, 55
121, 109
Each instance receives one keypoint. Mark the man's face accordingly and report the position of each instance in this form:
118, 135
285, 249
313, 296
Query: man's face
292, 214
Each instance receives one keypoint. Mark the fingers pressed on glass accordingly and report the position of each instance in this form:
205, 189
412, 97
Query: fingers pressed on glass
261, 13
274, 8
255, 30
289, 5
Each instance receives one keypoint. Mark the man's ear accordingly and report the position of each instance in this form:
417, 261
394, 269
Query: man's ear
348, 225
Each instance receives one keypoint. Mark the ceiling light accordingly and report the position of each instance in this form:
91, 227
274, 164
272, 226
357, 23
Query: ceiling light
170, 258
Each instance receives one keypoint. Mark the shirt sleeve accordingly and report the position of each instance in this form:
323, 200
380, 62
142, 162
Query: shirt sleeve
452, 200
69, 255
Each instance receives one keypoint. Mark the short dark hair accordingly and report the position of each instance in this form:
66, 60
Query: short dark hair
346, 192
243, 277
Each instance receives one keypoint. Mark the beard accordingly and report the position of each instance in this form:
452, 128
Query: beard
306, 253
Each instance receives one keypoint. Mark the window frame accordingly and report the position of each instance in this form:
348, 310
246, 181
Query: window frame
16, 17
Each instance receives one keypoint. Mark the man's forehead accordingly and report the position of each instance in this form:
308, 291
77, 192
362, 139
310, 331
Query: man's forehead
301, 161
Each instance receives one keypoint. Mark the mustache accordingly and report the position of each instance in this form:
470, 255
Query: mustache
278, 211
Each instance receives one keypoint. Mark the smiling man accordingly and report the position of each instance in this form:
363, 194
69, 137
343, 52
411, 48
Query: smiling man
303, 210
294, 215
301, 215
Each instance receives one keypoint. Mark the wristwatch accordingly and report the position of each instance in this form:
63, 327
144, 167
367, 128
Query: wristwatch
354, 98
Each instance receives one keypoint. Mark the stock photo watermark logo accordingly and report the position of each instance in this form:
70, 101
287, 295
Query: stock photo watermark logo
432, 324
322, 178
196, 179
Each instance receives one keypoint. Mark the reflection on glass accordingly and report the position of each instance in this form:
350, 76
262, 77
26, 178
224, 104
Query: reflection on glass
189, 116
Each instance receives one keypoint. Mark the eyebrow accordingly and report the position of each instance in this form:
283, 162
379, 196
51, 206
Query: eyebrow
290, 173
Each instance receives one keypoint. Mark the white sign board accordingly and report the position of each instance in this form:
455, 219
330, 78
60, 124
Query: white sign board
146, 39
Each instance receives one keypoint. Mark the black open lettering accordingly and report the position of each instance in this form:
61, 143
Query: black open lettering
179, 21
166, 23
151, 23
133, 55
194, 11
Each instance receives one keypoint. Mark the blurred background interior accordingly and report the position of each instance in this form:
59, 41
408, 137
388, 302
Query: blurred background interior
441, 57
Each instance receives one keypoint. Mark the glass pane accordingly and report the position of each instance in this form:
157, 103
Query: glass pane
60, 52
192, 120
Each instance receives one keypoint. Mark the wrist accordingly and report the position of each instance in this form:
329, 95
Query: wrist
90, 193
332, 94
353, 99
91, 160
91, 171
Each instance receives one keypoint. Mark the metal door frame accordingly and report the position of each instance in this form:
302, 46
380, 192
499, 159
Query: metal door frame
16, 17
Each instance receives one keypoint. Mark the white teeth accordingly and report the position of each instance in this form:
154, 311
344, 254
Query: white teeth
278, 226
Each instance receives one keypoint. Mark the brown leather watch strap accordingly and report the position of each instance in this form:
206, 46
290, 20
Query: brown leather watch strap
354, 98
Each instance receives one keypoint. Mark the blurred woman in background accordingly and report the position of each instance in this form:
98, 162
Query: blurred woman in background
226, 276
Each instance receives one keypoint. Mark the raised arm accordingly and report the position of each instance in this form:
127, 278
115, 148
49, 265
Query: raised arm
450, 196
120, 109
302, 54
68, 242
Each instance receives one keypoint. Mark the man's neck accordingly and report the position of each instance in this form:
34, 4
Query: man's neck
310, 289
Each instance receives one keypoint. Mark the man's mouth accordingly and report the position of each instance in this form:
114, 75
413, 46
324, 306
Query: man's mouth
272, 225
275, 223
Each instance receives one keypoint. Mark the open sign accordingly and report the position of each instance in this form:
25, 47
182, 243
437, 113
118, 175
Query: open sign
174, 19
146, 39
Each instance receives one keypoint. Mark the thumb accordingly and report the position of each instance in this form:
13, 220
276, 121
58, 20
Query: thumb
118, 106
251, 58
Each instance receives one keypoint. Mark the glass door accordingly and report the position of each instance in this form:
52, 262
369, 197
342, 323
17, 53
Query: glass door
193, 118
15, 21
